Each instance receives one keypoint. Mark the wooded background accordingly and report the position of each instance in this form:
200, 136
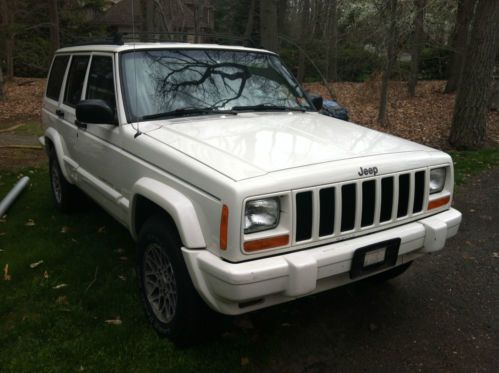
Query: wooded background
405, 40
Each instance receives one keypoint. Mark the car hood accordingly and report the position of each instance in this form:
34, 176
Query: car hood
254, 144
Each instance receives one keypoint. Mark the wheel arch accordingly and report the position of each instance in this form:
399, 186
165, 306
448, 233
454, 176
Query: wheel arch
54, 143
151, 197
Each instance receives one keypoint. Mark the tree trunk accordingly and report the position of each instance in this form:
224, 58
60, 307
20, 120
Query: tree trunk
303, 36
268, 24
390, 63
470, 111
417, 44
459, 43
54, 26
2, 93
7, 21
251, 21
332, 71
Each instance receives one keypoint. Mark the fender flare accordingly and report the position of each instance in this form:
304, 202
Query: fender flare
57, 141
177, 205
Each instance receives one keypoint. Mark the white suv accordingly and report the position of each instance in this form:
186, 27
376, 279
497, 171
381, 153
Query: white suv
237, 191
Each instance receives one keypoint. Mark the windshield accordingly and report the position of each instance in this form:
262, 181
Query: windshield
168, 80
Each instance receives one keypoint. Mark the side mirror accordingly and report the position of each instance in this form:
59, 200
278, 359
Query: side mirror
316, 101
95, 112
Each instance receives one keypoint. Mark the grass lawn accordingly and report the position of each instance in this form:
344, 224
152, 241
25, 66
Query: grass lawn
48, 327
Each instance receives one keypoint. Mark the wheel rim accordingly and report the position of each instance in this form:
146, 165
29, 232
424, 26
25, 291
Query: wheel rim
56, 184
159, 283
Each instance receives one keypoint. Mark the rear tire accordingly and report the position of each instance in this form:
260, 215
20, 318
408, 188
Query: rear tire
172, 304
64, 194
390, 274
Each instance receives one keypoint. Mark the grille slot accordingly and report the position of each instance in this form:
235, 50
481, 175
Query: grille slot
348, 206
327, 206
418, 191
334, 210
403, 195
368, 202
304, 211
386, 199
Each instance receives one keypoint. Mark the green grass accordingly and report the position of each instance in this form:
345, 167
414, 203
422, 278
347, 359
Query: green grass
469, 163
47, 329
39, 331
30, 128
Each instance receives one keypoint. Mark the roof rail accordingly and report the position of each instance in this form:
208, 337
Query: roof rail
121, 38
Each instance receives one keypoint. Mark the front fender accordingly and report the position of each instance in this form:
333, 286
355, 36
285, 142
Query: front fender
174, 203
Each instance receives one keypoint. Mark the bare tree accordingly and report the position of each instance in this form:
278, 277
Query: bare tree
391, 39
268, 24
460, 42
54, 26
304, 30
251, 20
2, 93
7, 26
469, 121
332, 40
417, 45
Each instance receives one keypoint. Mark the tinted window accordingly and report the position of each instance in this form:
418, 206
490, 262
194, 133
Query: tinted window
100, 80
56, 76
74, 85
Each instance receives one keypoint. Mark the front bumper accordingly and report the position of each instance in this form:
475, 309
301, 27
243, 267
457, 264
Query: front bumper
235, 288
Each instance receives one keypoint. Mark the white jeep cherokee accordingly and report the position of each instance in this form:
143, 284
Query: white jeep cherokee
237, 191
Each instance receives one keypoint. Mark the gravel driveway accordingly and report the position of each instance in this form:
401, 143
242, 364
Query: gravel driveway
442, 315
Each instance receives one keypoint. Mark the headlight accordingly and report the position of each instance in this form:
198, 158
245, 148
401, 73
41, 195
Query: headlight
437, 180
261, 215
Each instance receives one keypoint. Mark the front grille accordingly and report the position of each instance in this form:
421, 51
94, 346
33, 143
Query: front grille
361, 205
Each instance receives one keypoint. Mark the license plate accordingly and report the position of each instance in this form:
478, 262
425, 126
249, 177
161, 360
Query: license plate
374, 257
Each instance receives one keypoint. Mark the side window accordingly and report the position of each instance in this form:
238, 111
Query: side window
56, 77
74, 85
100, 80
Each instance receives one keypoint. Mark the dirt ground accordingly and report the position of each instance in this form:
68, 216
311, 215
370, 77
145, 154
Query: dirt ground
425, 118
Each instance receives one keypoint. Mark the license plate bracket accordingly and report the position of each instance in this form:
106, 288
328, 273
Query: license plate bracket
370, 258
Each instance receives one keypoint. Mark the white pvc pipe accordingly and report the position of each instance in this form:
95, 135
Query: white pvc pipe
12, 195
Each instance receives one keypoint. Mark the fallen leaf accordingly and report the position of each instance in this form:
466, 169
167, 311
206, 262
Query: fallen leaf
36, 264
495, 255
30, 223
116, 321
244, 361
6, 275
119, 251
121, 277
75, 241
45, 274
60, 286
123, 258
101, 229
62, 300
64, 229
2, 234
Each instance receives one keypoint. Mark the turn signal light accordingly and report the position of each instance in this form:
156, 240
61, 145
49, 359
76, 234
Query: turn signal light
266, 243
224, 227
438, 202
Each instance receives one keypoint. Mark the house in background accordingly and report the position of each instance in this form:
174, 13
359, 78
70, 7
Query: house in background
161, 16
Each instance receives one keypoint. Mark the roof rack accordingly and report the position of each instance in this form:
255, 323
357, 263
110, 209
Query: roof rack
118, 38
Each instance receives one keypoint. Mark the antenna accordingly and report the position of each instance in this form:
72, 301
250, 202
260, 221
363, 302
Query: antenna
137, 133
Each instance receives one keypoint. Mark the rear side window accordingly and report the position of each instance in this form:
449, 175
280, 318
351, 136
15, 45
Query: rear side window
74, 85
100, 80
56, 77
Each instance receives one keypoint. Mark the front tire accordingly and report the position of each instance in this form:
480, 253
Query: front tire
171, 302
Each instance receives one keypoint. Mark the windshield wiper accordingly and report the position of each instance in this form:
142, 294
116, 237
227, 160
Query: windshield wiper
186, 112
267, 107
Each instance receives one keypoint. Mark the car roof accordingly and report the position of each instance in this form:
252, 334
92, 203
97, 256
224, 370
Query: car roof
114, 48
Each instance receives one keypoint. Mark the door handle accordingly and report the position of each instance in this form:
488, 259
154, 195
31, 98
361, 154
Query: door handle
59, 113
80, 124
